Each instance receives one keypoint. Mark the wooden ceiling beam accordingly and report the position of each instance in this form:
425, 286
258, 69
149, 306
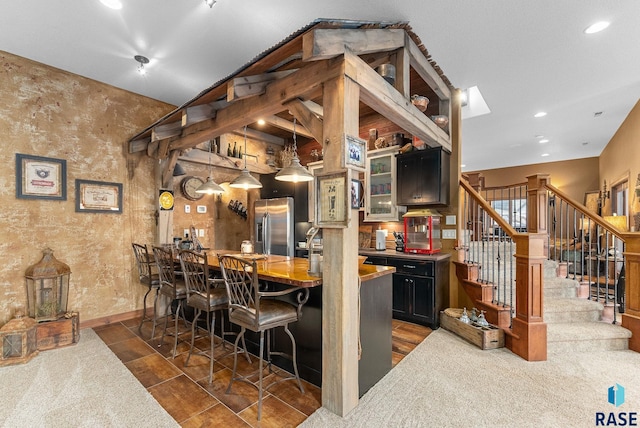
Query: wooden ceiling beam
298, 84
307, 118
194, 114
249, 86
328, 43
167, 130
426, 71
281, 123
386, 100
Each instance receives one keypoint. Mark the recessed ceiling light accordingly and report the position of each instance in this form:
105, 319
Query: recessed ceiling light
596, 27
544, 155
113, 4
462, 166
544, 140
540, 114
261, 122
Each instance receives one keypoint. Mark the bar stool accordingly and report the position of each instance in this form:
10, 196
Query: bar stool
252, 309
172, 286
204, 294
148, 278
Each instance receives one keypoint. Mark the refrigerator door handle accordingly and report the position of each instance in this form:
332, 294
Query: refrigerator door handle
266, 244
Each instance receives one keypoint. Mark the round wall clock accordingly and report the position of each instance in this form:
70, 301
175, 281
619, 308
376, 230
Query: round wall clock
189, 186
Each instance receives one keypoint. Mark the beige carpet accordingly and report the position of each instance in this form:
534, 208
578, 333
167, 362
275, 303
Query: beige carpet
84, 385
447, 382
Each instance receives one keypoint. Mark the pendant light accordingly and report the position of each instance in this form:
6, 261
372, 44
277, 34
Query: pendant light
294, 172
210, 187
245, 180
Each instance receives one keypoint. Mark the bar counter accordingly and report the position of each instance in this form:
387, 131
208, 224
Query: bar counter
375, 317
293, 270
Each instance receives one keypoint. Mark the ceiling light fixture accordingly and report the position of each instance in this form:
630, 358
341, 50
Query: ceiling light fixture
178, 170
113, 4
142, 60
210, 187
544, 155
210, 3
596, 27
261, 122
245, 180
464, 97
540, 114
544, 140
294, 172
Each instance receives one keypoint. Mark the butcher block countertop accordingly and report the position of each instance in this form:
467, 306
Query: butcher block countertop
293, 270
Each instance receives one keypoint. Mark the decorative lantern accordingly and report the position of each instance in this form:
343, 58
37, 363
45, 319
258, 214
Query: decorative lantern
47, 288
19, 340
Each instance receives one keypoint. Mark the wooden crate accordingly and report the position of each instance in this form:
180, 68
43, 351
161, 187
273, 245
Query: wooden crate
490, 337
58, 333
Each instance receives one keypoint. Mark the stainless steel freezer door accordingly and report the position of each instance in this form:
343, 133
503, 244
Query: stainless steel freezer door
274, 226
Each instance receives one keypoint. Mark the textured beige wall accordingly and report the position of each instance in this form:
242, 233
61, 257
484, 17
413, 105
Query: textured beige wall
48, 112
575, 177
621, 160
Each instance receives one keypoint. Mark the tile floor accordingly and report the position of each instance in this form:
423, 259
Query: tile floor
186, 395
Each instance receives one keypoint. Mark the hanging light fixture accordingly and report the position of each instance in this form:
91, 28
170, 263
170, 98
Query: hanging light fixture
245, 180
210, 187
294, 172
142, 60
178, 170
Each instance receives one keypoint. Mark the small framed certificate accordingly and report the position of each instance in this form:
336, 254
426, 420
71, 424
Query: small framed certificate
332, 203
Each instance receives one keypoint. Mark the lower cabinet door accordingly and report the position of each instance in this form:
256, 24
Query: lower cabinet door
423, 303
401, 297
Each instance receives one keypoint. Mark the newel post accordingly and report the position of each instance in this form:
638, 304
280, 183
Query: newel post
528, 327
631, 316
537, 203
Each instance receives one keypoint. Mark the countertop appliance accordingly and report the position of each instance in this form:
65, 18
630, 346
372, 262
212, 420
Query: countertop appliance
274, 223
422, 232
381, 239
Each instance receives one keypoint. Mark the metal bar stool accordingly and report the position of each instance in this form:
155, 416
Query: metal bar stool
252, 309
204, 294
173, 287
148, 278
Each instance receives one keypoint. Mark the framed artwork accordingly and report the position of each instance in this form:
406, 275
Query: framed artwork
356, 194
332, 199
591, 201
355, 153
41, 178
166, 200
98, 197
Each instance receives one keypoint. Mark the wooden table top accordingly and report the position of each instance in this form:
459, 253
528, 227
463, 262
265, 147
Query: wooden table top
293, 270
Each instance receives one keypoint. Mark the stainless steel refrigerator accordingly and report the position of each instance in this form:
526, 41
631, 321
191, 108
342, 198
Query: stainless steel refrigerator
274, 224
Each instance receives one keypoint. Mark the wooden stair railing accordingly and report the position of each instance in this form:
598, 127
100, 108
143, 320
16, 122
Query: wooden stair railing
527, 334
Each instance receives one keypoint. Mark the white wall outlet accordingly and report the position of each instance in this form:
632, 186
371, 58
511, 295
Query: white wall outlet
450, 220
448, 234
187, 209
201, 233
201, 209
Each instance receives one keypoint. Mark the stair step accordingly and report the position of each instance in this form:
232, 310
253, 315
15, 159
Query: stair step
586, 337
571, 310
560, 288
550, 268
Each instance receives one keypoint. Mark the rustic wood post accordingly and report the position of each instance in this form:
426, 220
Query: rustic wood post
340, 317
631, 316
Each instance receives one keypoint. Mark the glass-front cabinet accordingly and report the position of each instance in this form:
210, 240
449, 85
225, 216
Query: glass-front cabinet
380, 185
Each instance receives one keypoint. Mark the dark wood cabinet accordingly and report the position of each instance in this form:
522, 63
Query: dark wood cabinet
423, 177
420, 285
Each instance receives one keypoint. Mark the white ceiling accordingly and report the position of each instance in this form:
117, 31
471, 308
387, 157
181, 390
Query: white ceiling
525, 56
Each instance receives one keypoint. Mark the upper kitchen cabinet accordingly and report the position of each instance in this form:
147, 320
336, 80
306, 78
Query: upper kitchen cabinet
423, 177
380, 185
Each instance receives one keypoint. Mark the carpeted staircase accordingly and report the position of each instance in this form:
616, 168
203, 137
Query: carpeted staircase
575, 324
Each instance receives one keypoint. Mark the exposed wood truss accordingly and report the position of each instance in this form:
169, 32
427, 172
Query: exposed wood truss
261, 90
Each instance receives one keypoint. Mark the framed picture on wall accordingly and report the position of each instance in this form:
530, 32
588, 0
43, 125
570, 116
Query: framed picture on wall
355, 153
591, 201
41, 178
356, 192
98, 197
332, 203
